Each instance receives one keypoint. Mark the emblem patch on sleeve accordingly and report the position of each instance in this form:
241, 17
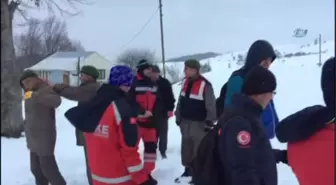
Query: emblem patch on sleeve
244, 138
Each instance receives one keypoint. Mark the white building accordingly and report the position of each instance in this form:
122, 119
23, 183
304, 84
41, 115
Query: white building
63, 67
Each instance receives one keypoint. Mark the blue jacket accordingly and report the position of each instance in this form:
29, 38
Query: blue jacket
269, 116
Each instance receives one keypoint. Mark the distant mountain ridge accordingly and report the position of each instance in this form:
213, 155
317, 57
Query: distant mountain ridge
197, 56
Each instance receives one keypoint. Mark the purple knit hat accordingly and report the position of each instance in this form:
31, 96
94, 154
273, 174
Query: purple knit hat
121, 75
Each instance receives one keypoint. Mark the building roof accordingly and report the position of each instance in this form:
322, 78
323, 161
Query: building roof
65, 61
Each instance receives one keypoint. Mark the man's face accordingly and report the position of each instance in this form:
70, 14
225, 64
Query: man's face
147, 72
264, 99
266, 63
155, 76
85, 78
190, 72
29, 83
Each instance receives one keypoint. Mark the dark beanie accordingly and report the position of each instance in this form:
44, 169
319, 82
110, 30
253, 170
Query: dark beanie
193, 63
156, 69
143, 64
328, 82
90, 71
27, 74
259, 81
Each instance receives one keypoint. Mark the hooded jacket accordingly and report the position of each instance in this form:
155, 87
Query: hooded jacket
259, 51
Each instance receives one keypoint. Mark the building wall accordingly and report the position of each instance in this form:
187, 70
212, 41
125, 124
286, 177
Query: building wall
57, 76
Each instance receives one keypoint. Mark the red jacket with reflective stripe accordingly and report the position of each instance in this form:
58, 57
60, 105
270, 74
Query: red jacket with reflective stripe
113, 148
313, 160
144, 92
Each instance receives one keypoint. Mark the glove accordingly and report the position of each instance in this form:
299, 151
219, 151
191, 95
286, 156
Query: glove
177, 123
170, 114
280, 156
59, 87
28, 95
209, 125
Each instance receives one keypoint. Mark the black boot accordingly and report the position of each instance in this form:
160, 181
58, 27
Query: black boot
152, 179
163, 155
185, 174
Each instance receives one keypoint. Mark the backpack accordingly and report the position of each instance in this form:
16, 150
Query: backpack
207, 167
220, 101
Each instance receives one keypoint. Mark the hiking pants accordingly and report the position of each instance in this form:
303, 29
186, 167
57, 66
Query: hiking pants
192, 135
88, 171
45, 170
149, 138
162, 133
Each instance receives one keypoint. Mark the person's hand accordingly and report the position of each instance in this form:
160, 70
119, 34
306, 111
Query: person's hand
177, 123
148, 113
170, 114
59, 87
209, 125
27, 95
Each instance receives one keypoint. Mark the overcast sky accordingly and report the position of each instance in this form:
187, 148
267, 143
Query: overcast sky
192, 26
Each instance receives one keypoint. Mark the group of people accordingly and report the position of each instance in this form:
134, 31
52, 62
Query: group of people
111, 119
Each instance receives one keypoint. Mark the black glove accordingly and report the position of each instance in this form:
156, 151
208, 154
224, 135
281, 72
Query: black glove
177, 123
280, 156
150, 181
209, 125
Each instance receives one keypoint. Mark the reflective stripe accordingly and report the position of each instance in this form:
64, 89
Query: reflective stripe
149, 157
136, 168
116, 113
198, 96
146, 89
106, 180
149, 160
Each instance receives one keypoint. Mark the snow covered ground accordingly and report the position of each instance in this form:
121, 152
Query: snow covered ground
298, 86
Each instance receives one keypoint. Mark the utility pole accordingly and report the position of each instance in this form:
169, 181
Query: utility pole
78, 71
320, 49
162, 41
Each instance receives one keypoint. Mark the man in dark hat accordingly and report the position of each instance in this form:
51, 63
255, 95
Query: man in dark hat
244, 148
164, 107
82, 93
40, 128
195, 113
143, 95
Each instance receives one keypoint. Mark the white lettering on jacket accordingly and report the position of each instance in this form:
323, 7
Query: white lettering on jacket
102, 131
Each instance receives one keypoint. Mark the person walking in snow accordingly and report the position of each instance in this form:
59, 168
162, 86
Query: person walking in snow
260, 53
163, 108
195, 112
310, 134
143, 95
84, 92
40, 128
111, 132
244, 149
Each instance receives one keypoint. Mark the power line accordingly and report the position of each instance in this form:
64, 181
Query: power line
142, 28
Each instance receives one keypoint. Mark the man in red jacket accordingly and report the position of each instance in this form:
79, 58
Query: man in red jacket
310, 134
111, 133
143, 95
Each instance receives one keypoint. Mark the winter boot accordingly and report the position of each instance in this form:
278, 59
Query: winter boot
163, 155
152, 179
185, 177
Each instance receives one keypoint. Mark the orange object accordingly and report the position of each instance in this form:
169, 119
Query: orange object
313, 160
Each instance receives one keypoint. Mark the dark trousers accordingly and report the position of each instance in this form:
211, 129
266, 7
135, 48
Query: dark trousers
88, 171
45, 170
162, 133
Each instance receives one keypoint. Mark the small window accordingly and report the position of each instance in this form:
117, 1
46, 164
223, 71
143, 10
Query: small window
101, 74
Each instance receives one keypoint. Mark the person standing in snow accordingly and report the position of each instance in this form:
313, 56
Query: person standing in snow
111, 132
163, 108
310, 134
195, 112
143, 95
245, 151
260, 53
40, 128
84, 92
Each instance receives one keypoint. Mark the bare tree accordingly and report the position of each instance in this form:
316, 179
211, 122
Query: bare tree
131, 57
11, 96
174, 73
45, 37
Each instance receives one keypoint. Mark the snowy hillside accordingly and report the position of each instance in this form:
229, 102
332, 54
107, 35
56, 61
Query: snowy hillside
298, 86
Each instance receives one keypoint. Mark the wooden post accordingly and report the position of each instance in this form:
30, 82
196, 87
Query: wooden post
162, 41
